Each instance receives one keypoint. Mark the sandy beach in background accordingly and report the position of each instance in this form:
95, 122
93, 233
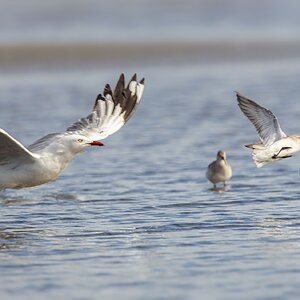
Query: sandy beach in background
81, 54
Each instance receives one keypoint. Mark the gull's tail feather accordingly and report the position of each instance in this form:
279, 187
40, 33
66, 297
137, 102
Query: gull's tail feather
257, 154
262, 157
259, 160
260, 164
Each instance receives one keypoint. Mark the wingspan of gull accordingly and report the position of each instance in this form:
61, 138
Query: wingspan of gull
46, 158
264, 120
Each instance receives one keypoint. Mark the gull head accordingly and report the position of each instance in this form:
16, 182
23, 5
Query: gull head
79, 143
221, 155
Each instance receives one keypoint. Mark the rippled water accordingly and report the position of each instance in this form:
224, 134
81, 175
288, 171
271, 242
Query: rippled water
136, 219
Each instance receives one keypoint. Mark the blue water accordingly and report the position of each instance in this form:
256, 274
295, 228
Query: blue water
136, 219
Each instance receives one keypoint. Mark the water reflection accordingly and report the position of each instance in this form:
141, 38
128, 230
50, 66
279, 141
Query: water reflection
12, 201
224, 188
11, 239
278, 228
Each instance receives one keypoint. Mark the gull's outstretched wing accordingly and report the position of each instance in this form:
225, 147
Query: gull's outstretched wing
11, 150
265, 122
111, 110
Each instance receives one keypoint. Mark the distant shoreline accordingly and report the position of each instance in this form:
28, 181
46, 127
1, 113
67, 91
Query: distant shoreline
79, 54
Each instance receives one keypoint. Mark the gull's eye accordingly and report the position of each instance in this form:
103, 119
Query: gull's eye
80, 140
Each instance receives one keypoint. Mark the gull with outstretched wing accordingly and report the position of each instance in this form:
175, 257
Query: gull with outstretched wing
275, 144
46, 158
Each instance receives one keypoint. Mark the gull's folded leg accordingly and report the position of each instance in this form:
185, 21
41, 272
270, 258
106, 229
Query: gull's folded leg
283, 148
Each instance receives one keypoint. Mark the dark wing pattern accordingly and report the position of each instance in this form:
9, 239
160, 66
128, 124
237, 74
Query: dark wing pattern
111, 110
265, 122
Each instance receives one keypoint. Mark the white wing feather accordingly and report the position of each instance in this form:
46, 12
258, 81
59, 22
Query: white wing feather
111, 110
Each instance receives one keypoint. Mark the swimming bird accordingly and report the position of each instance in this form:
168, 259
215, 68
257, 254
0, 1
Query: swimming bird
45, 159
275, 144
219, 170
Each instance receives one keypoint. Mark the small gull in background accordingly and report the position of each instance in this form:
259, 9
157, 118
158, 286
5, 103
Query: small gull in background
219, 170
46, 158
275, 144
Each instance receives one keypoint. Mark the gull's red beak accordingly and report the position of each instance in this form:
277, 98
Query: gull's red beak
96, 143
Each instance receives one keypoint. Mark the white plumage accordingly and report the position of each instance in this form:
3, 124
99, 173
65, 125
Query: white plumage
219, 170
275, 144
46, 158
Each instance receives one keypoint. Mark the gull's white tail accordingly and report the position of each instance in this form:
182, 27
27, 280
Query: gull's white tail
262, 157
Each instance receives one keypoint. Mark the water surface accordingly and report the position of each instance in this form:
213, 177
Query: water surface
137, 215
136, 219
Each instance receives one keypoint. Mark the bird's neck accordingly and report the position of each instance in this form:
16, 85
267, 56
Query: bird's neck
222, 161
58, 155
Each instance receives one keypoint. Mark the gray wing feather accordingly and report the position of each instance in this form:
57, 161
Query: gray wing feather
264, 120
43, 142
12, 150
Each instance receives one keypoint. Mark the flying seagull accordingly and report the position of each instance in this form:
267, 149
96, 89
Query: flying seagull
275, 144
219, 170
45, 159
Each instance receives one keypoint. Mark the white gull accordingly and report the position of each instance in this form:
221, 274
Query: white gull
219, 170
46, 158
275, 144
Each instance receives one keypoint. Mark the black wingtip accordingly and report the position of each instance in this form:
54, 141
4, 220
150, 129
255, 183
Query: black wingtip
142, 81
122, 77
99, 97
241, 98
238, 94
107, 90
120, 84
133, 77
